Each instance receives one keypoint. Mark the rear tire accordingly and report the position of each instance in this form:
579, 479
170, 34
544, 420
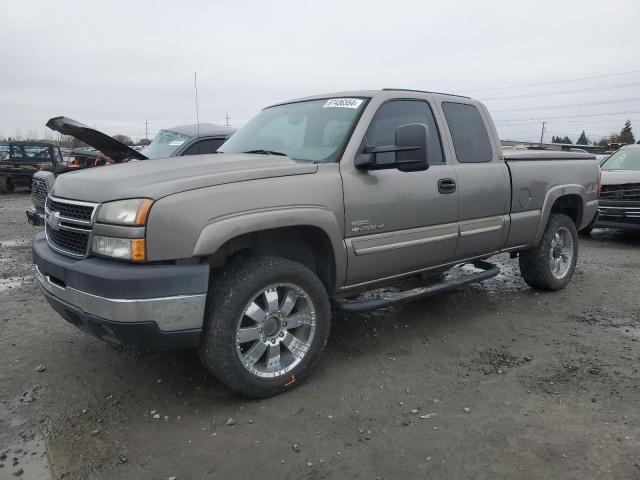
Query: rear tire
6, 185
266, 324
551, 264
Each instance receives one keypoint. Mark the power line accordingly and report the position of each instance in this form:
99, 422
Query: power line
567, 105
571, 116
564, 92
556, 82
569, 121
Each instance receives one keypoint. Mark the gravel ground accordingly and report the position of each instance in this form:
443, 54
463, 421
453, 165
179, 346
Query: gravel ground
493, 381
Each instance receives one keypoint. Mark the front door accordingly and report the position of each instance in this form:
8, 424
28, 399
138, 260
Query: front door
397, 222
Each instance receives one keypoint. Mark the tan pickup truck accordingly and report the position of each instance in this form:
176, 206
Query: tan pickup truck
243, 254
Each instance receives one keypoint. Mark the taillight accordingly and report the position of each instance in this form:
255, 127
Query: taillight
38, 167
599, 184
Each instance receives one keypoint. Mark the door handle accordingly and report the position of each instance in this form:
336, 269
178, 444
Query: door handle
446, 185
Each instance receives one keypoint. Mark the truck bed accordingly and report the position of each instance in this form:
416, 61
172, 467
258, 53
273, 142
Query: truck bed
540, 176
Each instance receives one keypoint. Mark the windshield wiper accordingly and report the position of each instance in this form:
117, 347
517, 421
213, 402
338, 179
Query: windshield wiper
266, 152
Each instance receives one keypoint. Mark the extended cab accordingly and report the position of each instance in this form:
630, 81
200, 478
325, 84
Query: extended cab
243, 254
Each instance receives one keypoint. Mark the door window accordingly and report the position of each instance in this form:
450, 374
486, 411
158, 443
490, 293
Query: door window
393, 114
204, 146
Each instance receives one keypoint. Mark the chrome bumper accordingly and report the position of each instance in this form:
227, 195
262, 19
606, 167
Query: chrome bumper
174, 313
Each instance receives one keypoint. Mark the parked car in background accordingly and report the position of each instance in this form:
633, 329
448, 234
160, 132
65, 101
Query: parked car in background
26, 158
619, 200
178, 141
242, 254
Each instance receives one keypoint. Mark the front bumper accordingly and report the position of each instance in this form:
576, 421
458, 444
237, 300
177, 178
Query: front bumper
618, 214
34, 217
153, 307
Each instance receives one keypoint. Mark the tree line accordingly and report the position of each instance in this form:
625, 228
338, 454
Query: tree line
624, 137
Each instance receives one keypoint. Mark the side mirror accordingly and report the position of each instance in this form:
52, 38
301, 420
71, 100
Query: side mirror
410, 151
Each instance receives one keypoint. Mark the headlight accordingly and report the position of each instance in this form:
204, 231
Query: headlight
125, 212
123, 248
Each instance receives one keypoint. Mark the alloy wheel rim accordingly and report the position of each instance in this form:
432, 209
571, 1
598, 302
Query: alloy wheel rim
275, 331
561, 253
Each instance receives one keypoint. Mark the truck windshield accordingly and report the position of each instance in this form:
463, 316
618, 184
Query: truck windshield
165, 144
309, 131
625, 159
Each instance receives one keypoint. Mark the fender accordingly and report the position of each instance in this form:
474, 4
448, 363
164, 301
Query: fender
223, 229
552, 195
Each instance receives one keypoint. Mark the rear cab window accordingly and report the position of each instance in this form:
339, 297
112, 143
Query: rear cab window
468, 132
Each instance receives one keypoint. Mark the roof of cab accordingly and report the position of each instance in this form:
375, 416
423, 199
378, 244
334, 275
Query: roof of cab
203, 130
370, 94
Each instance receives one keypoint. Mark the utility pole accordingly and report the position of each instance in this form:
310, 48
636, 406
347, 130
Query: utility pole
195, 85
542, 134
227, 116
146, 129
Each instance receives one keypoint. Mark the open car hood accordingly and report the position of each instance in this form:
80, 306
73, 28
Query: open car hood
111, 147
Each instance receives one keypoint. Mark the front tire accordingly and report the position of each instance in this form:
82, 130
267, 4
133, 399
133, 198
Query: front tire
266, 324
6, 185
551, 264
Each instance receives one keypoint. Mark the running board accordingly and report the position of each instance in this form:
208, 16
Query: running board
355, 306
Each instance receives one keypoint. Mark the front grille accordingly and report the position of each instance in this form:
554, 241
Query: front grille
626, 191
38, 193
71, 210
68, 241
68, 225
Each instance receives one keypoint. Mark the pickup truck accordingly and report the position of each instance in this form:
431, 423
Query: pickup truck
24, 160
244, 254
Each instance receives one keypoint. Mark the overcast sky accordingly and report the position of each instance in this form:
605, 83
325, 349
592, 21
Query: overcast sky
114, 64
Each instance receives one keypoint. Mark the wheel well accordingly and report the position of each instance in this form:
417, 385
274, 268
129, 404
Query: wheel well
307, 245
570, 205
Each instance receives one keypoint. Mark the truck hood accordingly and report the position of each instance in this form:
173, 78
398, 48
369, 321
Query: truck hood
166, 176
619, 177
111, 147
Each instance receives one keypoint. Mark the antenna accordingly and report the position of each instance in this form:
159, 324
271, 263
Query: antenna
195, 83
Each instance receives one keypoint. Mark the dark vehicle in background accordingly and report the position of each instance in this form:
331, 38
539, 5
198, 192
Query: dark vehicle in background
174, 142
178, 141
25, 159
619, 200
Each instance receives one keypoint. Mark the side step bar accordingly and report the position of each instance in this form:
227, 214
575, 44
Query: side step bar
355, 306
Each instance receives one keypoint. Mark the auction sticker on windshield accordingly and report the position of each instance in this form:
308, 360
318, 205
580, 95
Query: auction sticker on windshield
343, 103
175, 143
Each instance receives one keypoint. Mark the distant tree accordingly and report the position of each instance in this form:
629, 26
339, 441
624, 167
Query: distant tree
582, 139
567, 140
626, 134
123, 139
560, 139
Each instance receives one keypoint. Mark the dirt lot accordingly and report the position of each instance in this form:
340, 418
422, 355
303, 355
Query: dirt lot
495, 381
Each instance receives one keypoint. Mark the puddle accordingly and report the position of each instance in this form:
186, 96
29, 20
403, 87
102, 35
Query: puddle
632, 330
14, 243
12, 283
30, 457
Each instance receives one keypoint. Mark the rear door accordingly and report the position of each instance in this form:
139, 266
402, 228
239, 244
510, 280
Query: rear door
397, 222
483, 180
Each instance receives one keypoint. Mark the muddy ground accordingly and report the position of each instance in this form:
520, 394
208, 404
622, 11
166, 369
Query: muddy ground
494, 381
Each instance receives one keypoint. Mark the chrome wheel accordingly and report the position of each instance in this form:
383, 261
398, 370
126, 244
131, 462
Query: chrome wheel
275, 330
561, 253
